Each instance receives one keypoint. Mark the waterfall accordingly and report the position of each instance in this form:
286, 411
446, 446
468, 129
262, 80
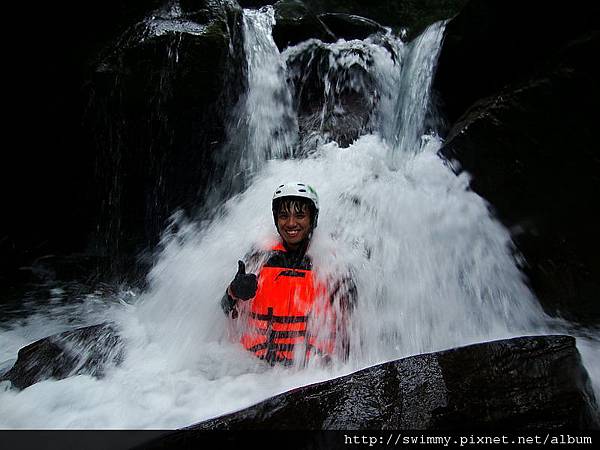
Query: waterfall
264, 123
433, 268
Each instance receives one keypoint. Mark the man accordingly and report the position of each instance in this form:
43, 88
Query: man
287, 314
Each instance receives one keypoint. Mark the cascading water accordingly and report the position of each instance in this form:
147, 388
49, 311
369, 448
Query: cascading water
432, 268
264, 123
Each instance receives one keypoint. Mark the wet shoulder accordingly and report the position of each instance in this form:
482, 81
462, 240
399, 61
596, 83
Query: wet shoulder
279, 257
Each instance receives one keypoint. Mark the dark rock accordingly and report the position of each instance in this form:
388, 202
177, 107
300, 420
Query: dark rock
295, 23
53, 268
329, 106
491, 44
526, 383
117, 123
531, 151
255, 3
82, 351
49, 199
160, 99
77, 188
348, 26
409, 16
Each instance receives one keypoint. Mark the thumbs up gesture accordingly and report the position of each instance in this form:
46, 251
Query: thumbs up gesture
243, 285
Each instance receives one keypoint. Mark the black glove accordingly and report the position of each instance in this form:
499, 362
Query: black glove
243, 285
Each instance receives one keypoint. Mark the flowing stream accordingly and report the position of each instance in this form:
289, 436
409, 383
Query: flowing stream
433, 268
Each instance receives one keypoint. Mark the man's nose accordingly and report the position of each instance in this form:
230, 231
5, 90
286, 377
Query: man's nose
291, 221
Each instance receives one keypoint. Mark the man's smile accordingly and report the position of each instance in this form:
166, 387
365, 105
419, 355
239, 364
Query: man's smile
294, 224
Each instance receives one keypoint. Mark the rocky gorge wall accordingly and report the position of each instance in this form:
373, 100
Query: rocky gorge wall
132, 116
519, 89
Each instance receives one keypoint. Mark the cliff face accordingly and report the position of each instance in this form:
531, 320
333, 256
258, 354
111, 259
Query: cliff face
160, 98
116, 133
519, 90
119, 114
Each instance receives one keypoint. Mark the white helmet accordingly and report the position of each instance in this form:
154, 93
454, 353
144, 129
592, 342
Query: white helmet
301, 190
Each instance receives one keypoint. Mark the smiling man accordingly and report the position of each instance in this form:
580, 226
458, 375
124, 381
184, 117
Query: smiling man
287, 314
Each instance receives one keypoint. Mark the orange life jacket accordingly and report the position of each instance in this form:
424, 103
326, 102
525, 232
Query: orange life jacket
291, 311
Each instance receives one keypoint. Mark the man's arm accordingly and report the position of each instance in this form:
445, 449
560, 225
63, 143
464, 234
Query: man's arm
228, 304
243, 286
344, 293
343, 297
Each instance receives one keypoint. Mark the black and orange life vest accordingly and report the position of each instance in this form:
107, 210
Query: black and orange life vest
291, 312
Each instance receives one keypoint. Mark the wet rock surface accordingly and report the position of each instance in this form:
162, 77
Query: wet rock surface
523, 126
517, 82
159, 104
350, 26
84, 351
412, 16
335, 93
50, 184
535, 382
130, 112
493, 44
295, 23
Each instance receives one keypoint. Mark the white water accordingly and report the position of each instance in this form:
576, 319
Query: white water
264, 121
433, 270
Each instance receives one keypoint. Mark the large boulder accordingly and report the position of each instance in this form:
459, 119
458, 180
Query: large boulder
255, 3
409, 16
295, 23
524, 126
118, 108
87, 350
535, 382
495, 43
160, 100
350, 26
335, 92
48, 186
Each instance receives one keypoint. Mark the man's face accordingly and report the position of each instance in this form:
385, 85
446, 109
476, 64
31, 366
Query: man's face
293, 223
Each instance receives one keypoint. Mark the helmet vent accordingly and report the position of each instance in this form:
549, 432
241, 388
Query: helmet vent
278, 192
301, 190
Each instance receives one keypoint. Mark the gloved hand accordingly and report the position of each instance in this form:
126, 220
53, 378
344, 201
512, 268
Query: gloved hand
243, 285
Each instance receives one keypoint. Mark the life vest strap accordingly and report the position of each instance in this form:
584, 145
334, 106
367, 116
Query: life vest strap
274, 334
277, 359
279, 319
273, 346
